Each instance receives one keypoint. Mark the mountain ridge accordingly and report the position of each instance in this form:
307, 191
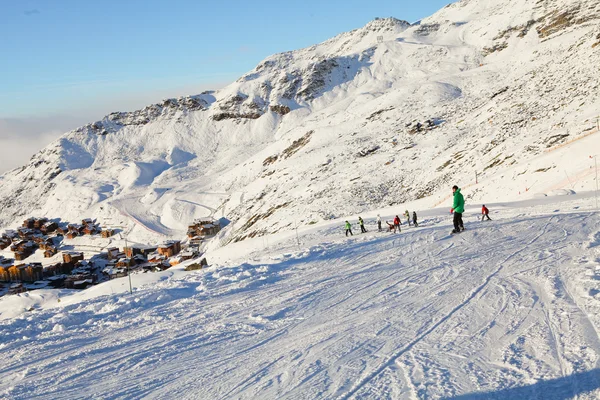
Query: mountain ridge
499, 86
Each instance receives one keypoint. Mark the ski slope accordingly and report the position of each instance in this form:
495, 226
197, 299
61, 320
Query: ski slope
507, 309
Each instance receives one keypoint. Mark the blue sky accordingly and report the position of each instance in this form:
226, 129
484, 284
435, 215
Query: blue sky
66, 56
65, 63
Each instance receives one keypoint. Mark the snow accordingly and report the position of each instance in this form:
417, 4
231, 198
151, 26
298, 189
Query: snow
291, 308
509, 306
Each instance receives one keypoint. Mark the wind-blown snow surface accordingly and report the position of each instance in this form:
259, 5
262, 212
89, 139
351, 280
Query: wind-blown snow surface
507, 309
321, 132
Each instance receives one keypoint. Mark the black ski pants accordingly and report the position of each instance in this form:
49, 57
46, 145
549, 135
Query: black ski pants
458, 222
484, 216
349, 230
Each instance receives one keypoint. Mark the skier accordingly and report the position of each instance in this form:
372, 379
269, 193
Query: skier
362, 225
485, 213
458, 207
397, 223
407, 215
415, 219
379, 222
391, 227
348, 228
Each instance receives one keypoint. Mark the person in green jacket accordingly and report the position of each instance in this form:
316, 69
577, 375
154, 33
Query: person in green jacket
348, 228
458, 207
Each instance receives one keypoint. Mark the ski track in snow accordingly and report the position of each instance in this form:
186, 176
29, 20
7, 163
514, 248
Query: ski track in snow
377, 315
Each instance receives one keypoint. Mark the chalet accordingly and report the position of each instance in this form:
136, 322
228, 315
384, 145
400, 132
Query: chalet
72, 257
75, 228
59, 269
16, 288
125, 262
89, 229
61, 231
84, 267
72, 234
196, 240
187, 255
79, 281
28, 223
203, 227
139, 250
50, 251
57, 281
5, 242
49, 227
38, 238
112, 253
39, 222
170, 248
156, 258
25, 233
46, 244
112, 273
23, 249
31, 272
4, 275
9, 233
87, 221
209, 229
106, 233
14, 274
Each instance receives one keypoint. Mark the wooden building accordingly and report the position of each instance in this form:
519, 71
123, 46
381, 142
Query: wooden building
31, 272
203, 227
50, 251
106, 233
170, 248
4, 275
49, 227
112, 253
71, 257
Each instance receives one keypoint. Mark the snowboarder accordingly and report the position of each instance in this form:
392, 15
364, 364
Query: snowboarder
397, 223
362, 225
407, 215
458, 207
415, 219
379, 222
348, 228
485, 213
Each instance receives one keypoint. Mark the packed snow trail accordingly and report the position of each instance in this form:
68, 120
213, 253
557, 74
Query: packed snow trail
508, 304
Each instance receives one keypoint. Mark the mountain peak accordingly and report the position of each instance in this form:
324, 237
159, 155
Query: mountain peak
385, 24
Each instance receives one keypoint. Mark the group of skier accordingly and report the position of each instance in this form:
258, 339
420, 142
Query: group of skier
458, 207
391, 227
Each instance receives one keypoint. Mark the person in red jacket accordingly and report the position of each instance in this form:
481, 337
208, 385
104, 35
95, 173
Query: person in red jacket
485, 213
397, 223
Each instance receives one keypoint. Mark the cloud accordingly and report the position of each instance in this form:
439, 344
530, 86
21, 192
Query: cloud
31, 12
22, 149
22, 137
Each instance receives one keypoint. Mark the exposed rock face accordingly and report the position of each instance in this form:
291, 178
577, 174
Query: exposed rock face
279, 109
166, 109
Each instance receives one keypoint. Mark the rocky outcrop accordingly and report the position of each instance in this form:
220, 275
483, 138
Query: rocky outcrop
166, 109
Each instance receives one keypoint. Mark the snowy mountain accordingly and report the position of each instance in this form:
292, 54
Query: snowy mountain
375, 117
